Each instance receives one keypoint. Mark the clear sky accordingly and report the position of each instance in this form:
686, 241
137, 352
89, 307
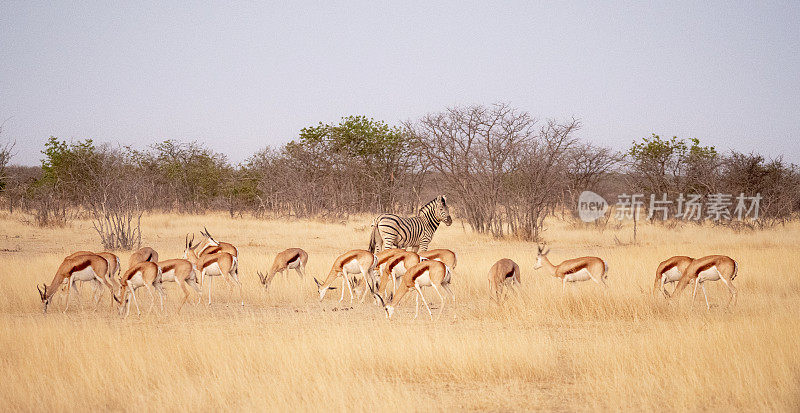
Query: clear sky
238, 77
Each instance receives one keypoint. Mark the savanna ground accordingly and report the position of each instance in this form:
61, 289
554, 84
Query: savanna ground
591, 349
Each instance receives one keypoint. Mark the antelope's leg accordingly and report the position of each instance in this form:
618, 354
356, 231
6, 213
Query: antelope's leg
210, 279
183, 284
419, 291
441, 310
447, 288
731, 289
349, 286
152, 297
564, 285
694, 291
97, 294
703, 287
416, 307
135, 301
341, 297
235, 277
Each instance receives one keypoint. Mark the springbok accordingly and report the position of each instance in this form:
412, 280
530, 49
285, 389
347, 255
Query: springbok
503, 272
86, 267
110, 278
183, 273
710, 268
395, 268
141, 255
670, 271
428, 273
288, 259
576, 269
216, 264
210, 246
448, 257
144, 274
351, 262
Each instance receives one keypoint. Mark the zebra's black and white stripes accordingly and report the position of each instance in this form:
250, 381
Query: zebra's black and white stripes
393, 231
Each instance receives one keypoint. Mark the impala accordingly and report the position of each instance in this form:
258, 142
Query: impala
576, 269
503, 272
288, 259
86, 267
351, 262
144, 274
141, 255
428, 273
216, 264
670, 271
710, 268
109, 279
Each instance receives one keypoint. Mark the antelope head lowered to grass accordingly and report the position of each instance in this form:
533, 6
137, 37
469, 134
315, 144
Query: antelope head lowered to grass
710, 268
428, 273
354, 262
291, 258
504, 272
670, 270
576, 269
86, 267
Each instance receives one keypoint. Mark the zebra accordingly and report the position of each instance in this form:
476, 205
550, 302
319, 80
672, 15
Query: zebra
392, 231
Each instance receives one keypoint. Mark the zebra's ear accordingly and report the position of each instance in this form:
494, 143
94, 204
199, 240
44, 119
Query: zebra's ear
444, 200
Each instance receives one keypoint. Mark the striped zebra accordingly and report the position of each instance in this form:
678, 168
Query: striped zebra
392, 231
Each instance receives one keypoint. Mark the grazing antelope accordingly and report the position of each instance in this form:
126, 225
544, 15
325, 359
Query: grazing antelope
710, 268
670, 271
141, 255
395, 268
576, 269
144, 274
183, 273
110, 278
288, 259
446, 256
503, 272
86, 267
428, 273
210, 246
351, 262
212, 265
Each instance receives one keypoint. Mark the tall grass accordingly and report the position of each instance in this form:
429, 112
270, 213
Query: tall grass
588, 349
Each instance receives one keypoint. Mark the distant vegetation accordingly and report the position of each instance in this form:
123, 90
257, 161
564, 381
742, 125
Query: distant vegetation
505, 171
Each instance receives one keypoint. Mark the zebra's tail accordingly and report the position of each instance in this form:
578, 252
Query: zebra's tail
375, 237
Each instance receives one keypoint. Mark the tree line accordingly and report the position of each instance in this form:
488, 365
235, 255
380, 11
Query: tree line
504, 171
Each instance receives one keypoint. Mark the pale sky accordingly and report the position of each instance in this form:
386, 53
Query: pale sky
239, 77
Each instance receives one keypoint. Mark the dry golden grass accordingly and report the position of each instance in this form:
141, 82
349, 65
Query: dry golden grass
590, 349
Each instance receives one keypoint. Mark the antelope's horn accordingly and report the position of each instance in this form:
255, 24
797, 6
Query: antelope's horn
207, 233
39, 289
317, 281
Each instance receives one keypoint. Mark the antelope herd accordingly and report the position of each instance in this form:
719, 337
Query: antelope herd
386, 272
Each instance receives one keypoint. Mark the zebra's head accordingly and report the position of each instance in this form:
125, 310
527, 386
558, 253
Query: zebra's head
441, 211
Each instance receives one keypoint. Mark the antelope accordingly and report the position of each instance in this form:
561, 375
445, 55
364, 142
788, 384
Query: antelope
446, 256
292, 258
576, 269
211, 246
428, 273
395, 267
351, 262
141, 255
144, 274
86, 267
110, 278
670, 271
710, 268
183, 273
216, 264
503, 272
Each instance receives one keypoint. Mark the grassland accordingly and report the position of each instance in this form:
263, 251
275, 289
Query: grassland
589, 349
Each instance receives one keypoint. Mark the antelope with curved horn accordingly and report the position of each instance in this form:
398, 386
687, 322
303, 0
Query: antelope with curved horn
288, 259
209, 246
428, 273
110, 278
87, 267
576, 269
669, 271
182, 272
213, 265
710, 268
144, 274
351, 262
141, 255
503, 273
